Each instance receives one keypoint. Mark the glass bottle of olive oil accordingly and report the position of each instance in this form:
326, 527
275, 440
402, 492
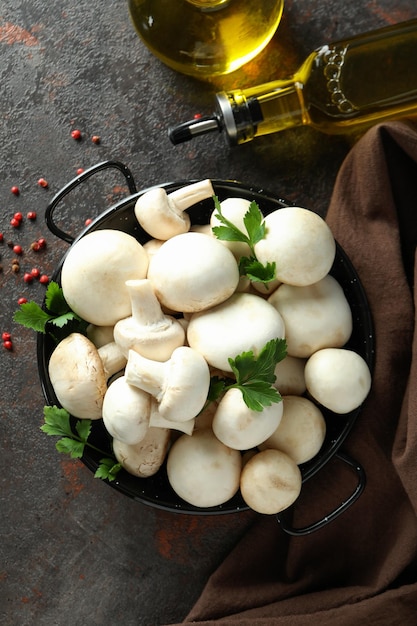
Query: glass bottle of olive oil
343, 85
205, 38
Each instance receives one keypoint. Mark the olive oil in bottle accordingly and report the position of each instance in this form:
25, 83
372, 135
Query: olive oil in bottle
347, 84
205, 38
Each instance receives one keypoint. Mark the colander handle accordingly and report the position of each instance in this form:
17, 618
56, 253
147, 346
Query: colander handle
50, 209
306, 530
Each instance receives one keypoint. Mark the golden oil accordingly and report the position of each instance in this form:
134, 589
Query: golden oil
344, 85
205, 38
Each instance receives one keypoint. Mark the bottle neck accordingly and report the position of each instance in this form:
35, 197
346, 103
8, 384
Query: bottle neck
275, 106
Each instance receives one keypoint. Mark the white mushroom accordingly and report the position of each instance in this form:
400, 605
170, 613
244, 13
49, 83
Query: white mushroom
300, 243
100, 335
270, 482
152, 245
126, 411
145, 458
202, 470
191, 272
148, 330
315, 316
163, 215
180, 385
337, 378
94, 275
243, 322
241, 428
290, 376
157, 420
78, 372
301, 431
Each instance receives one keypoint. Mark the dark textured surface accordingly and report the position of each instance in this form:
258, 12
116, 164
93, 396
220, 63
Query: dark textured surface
72, 550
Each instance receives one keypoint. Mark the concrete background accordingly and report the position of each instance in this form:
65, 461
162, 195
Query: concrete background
72, 550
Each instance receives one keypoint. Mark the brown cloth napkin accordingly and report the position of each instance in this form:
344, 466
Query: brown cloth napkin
362, 567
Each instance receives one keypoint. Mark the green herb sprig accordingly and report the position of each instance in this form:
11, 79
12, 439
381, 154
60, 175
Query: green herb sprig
57, 422
254, 376
255, 231
57, 317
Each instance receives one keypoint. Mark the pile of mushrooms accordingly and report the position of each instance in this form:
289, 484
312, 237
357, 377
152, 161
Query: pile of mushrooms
166, 315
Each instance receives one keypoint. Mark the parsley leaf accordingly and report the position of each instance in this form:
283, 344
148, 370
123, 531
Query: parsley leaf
57, 421
255, 376
254, 223
57, 314
256, 230
255, 271
108, 469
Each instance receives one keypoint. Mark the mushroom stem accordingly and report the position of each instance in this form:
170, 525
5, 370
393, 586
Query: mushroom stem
145, 373
148, 330
112, 358
145, 305
185, 197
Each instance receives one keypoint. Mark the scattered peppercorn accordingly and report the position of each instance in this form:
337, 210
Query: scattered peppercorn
14, 222
44, 279
18, 216
21, 301
35, 272
35, 246
15, 190
31, 215
43, 183
15, 266
95, 139
17, 249
7, 340
80, 170
42, 242
27, 277
1, 237
76, 134
88, 221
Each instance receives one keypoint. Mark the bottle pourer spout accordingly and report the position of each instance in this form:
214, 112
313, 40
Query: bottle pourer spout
199, 125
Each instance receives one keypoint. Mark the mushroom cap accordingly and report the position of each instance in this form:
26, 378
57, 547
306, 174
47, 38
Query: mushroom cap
270, 482
126, 411
158, 215
315, 316
337, 378
242, 323
240, 428
290, 376
301, 431
300, 243
143, 459
192, 272
95, 271
186, 385
77, 376
202, 470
